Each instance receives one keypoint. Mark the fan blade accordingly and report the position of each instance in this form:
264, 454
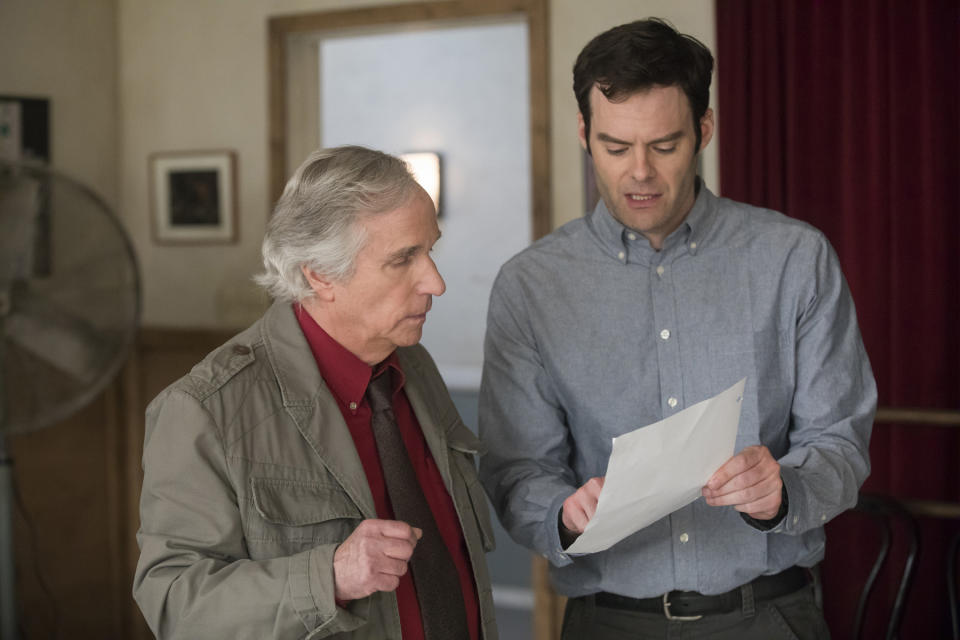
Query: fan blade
19, 201
66, 342
69, 296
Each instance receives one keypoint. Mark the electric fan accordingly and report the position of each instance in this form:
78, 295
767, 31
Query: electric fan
69, 309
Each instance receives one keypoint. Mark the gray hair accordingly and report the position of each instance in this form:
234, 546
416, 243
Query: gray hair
315, 221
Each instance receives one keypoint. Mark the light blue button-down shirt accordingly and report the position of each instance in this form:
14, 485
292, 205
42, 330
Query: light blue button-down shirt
592, 334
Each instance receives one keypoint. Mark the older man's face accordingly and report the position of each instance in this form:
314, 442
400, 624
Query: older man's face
385, 303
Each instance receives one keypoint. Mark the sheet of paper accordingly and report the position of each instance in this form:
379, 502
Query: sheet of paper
655, 470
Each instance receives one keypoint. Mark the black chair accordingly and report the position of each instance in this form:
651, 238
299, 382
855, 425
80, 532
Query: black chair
887, 511
952, 584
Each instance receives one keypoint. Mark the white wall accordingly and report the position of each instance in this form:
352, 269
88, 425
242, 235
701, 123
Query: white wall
66, 51
461, 91
192, 74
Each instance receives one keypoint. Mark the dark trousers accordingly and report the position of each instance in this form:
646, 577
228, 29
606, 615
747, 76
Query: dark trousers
795, 616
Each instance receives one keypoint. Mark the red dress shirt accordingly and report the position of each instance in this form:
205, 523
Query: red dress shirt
347, 377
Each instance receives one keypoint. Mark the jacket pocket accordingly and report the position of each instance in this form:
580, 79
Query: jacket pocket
465, 446
291, 515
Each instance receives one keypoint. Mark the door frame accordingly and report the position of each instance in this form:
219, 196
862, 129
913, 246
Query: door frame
534, 12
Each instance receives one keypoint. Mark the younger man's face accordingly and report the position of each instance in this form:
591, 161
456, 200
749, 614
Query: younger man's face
644, 155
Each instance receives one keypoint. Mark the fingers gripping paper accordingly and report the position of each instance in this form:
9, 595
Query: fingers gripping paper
655, 470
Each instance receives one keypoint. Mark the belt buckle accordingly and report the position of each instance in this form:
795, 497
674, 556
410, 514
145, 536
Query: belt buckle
670, 616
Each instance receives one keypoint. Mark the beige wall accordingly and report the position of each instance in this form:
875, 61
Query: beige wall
133, 77
66, 51
193, 75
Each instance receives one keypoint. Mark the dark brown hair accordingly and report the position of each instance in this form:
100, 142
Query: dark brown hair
641, 55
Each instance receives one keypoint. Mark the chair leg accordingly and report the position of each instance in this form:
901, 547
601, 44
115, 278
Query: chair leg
952, 584
909, 567
885, 538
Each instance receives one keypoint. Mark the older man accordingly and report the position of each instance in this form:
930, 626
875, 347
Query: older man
311, 478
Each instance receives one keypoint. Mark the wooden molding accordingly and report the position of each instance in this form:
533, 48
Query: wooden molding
930, 417
535, 12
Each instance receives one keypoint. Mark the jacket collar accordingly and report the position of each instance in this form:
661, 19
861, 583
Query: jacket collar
311, 404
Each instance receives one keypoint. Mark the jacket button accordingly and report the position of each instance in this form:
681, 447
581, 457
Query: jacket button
241, 350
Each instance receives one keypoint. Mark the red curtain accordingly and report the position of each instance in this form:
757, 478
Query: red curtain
844, 113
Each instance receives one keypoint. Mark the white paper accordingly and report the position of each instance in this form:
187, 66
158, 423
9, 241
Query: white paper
655, 470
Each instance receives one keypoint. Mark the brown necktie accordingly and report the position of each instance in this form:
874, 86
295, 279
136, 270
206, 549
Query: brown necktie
435, 576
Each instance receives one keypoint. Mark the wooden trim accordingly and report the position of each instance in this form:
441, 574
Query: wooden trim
925, 417
536, 12
932, 509
159, 338
117, 521
548, 605
133, 406
538, 30
399, 13
906, 415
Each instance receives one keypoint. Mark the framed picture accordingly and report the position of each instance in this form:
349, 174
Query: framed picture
193, 196
25, 137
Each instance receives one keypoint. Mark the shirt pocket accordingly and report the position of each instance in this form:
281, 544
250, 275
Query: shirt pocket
290, 516
759, 356
765, 359
464, 447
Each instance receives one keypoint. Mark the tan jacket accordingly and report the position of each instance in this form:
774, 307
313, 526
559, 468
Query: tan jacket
251, 480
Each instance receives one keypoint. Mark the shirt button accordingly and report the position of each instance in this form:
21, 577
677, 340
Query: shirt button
693, 245
631, 236
353, 406
796, 519
660, 270
684, 538
665, 334
672, 402
621, 255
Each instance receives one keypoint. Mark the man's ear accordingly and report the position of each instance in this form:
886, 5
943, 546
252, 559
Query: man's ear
582, 132
706, 128
321, 285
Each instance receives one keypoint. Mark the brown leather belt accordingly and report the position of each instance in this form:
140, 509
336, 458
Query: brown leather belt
691, 604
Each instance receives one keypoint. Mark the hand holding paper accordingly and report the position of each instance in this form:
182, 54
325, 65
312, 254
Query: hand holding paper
750, 482
660, 468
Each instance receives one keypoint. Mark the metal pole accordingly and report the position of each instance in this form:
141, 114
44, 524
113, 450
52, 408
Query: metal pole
8, 599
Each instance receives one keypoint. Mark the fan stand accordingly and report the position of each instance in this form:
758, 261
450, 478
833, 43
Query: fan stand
76, 336
8, 597
8, 603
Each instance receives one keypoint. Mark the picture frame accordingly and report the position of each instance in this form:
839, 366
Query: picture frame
25, 138
193, 197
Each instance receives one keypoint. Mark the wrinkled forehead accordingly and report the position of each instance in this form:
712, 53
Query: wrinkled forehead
415, 216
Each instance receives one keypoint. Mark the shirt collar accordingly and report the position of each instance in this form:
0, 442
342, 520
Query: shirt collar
701, 216
345, 374
616, 238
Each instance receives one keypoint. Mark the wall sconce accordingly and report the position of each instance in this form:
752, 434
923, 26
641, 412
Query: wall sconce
425, 167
